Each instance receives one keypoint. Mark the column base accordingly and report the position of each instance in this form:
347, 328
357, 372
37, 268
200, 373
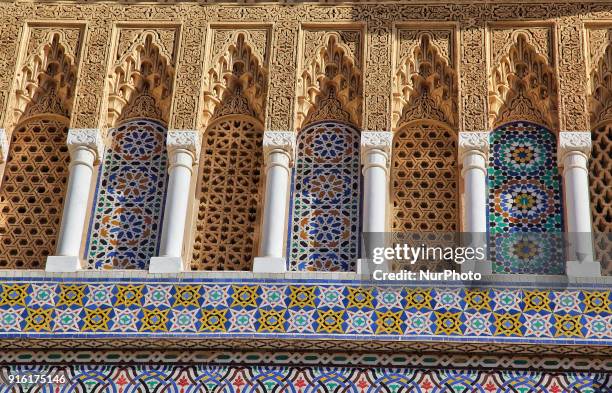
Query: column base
269, 265
483, 267
583, 269
166, 265
62, 264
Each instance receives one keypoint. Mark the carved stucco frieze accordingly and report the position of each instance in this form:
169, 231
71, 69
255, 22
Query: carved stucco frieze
187, 85
282, 76
473, 77
88, 98
90, 138
279, 108
572, 78
378, 71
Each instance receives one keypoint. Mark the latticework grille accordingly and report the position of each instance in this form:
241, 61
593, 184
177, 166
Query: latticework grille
230, 191
424, 177
32, 193
600, 173
424, 185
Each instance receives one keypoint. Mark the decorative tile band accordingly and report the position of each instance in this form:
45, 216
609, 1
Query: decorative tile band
306, 379
279, 310
390, 359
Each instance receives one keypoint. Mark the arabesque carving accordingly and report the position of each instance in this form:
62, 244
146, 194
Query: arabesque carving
425, 83
330, 84
46, 81
236, 82
523, 86
140, 85
600, 99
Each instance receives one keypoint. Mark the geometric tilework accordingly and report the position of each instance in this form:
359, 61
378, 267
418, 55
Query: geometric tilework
230, 191
195, 308
32, 193
305, 379
325, 213
127, 212
525, 200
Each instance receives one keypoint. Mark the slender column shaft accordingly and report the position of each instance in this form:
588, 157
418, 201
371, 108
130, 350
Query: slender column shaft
278, 155
473, 156
474, 174
75, 205
183, 151
275, 205
177, 201
375, 152
573, 154
375, 156
85, 147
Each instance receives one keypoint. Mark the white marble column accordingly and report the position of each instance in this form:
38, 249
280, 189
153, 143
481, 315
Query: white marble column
573, 155
278, 149
4, 146
375, 160
473, 158
183, 152
86, 148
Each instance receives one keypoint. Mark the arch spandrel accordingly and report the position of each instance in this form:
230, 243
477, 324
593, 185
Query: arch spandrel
523, 85
330, 72
239, 70
144, 70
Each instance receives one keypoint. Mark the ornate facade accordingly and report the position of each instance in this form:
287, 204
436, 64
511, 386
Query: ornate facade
186, 186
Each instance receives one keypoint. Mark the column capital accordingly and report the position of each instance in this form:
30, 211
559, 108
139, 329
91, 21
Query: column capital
376, 140
89, 138
4, 146
186, 140
279, 140
470, 141
573, 141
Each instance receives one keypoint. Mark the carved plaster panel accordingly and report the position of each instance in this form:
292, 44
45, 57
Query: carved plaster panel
425, 78
140, 81
46, 77
236, 77
523, 84
330, 84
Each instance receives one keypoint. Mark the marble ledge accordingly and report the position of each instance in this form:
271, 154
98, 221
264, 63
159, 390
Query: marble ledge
514, 279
